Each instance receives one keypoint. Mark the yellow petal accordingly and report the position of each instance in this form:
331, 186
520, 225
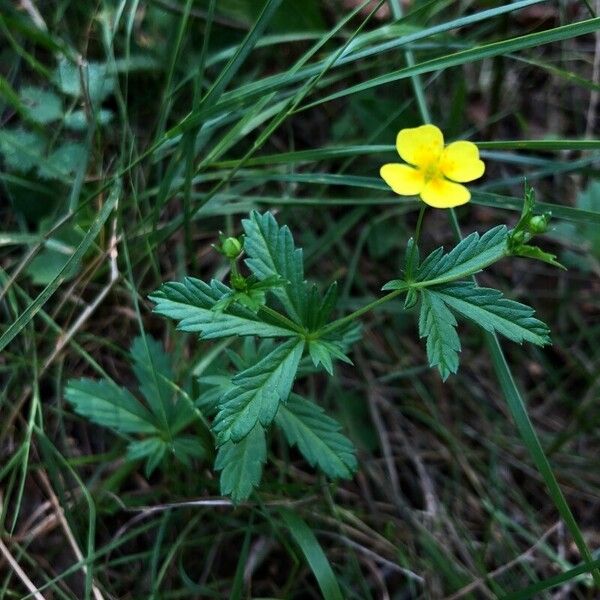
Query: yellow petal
420, 146
441, 193
404, 180
460, 162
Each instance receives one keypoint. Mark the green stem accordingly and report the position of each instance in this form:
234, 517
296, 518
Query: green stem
409, 264
358, 313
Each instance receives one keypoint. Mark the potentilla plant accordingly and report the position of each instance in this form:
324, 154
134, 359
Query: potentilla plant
289, 329
268, 299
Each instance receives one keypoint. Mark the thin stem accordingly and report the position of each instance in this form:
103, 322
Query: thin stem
413, 249
361, 311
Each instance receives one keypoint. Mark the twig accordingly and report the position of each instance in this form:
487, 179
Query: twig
20, 573
509, 565
89, 310
65, 526
30, 8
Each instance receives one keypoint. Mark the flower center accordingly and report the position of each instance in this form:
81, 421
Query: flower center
431, 170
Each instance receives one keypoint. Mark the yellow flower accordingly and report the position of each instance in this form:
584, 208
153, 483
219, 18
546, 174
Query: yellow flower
433, 171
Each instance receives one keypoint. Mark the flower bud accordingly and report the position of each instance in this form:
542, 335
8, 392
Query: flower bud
538, 224
231, 247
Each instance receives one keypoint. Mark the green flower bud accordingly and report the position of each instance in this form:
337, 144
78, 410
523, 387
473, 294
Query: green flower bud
538, 224
231, 247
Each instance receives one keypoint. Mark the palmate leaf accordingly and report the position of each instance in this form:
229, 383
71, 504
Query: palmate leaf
438, 325
324, 352
258, 392
152, 367
469, 256
109, 405
192, 301
241, 464
317, 436
489, 309
271, 252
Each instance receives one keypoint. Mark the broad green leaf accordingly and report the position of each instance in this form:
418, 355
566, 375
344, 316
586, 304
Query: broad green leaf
77, 120
323, 352
43, 106
152, 368
192, 301
317, 436
99, 80
271, 252
492, 311
438, 325
258, 392
48, 263
470, 255
188, 447
63, 162
22, 150
109, 405
241, 464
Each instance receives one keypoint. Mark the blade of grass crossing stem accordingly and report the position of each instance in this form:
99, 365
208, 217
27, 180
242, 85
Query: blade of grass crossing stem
49, 450
511, 392
306, 540
518, 410
28, 314
237, 587
533, 590
519, 413
292, 105
230, 69
275, 82
468, 56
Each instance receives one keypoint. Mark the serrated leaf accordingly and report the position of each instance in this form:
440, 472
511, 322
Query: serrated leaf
65, 161
258, 392
317, 436
241, 464
411, 258
22, 150
109, 405
152, 367
469, 256
77, 120
538, 254
42, 106
438, 325
187, 447
271, 251
323, 352
492, 311
192, 301
395, 284
99, 81
153, 449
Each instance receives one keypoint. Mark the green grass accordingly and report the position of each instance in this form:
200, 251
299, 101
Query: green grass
177, 118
